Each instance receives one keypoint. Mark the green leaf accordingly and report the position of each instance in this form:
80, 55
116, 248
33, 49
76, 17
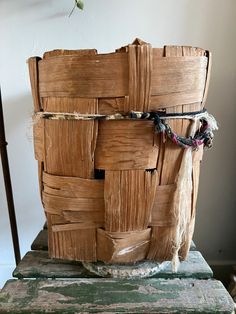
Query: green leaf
79, 4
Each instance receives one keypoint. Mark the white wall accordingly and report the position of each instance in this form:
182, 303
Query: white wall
29, 28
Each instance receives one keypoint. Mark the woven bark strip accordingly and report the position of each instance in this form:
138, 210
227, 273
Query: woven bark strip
34, 80
169, 241
125, 144
115, 190
105, 76
75, 244
129, 197
37, 129
163, 208
57, 204
122, 247
95, 76
76, 137
73, 186
140, 74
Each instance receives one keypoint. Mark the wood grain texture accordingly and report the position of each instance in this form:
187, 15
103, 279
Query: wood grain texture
129, 197
174, 74
122, 247
108, 76
165, 240
92, 76
175, 99
162, 213
209, 65
74, 187
73, 202
89, 218
157, 102
140, 75
125, 144
34, 80
101, 295
41, 242
38, 131
70, 147
56, 218
112, 105
73, 244
57, 204
67, 104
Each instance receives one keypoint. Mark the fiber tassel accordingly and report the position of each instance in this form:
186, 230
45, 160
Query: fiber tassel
183, 199
175, 263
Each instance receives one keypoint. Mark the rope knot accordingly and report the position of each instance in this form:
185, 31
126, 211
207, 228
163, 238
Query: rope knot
160, 126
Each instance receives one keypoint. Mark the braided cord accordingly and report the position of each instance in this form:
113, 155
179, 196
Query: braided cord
203, 136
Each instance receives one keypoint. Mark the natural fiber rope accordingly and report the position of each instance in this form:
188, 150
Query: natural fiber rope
204, 135
118, 116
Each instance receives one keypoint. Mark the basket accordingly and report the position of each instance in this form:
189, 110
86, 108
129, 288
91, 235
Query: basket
113, 188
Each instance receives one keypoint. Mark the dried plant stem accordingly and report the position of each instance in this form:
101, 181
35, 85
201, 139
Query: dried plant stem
72, 10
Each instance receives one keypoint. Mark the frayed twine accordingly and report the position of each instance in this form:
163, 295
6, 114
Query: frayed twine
203, 136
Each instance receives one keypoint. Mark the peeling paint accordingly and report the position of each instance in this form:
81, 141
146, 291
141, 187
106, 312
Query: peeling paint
115, 296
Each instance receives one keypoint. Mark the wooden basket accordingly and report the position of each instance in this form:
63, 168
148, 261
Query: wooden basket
115, 190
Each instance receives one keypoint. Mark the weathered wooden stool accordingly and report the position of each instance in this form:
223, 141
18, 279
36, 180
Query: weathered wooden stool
45, 285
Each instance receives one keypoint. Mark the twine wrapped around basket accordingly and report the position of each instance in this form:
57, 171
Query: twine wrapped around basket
113, 187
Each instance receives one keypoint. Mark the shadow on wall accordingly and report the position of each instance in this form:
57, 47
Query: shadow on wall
29, 7
16, 7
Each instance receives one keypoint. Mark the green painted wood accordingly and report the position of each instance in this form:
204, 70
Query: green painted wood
194, 267
37, 264
115, 296
41, 241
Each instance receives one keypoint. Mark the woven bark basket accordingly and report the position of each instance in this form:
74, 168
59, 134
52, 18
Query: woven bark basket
115, 190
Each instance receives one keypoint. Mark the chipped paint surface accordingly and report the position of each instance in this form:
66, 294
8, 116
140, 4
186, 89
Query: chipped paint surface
37, 264
114, 296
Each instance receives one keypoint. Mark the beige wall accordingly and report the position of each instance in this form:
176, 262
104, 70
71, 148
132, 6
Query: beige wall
29, 28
